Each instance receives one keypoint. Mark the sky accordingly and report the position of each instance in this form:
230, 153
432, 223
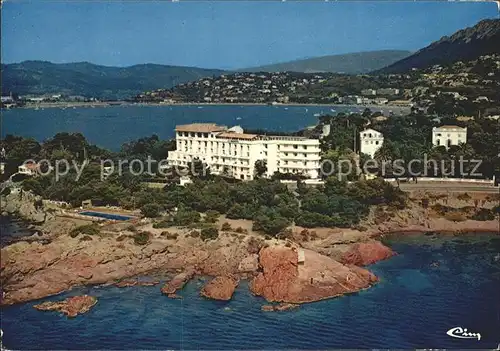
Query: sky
223, 34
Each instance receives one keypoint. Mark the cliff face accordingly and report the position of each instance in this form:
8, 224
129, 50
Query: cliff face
23, 204
316, 277
464, 45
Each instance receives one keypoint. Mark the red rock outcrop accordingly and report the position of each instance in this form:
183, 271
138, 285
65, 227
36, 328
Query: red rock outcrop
317, 277
365, 253
71, 306
220, 288
177, 282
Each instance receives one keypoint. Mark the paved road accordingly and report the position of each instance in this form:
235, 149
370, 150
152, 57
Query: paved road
450, 187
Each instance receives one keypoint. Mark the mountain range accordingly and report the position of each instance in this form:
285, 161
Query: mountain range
465, 45
353, 63
87, 79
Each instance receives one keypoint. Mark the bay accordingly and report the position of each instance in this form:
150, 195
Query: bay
110, 127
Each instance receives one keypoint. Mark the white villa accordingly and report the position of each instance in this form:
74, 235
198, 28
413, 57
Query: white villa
448, 135
29, 169
232, 151
370, 141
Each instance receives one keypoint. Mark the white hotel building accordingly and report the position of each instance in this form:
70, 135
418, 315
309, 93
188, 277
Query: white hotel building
233, 151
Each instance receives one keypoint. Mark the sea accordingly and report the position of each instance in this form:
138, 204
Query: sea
434, 284
110, 127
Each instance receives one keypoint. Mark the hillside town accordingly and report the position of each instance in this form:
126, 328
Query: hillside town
460, 88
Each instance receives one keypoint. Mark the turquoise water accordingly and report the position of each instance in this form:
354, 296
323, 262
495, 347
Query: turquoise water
412, 307
106, 215
110, 127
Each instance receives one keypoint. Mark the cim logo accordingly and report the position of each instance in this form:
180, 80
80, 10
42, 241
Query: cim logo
462, 333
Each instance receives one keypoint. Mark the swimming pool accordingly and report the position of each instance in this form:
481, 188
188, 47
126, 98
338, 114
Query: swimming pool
115, 217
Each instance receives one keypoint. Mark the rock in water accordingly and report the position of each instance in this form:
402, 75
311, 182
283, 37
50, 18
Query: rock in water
220, 288
362, 254
177, 282
317, 277
71, 307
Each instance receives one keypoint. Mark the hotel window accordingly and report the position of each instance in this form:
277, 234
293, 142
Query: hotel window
305, 147
286, 153
295, 146
294, 154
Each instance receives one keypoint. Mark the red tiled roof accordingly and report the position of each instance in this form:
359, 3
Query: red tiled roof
200, 128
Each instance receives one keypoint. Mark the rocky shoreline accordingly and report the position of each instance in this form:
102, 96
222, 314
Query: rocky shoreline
299, 269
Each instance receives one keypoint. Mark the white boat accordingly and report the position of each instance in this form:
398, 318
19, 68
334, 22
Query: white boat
238, 118
317, 114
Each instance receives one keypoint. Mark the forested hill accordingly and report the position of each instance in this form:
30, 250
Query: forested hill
90, 80
465, 45
354, 63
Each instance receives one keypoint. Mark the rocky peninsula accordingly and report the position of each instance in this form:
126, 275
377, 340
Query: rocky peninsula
305, 266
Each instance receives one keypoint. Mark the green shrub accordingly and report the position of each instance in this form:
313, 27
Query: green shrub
86, 238
226, 227
270, 223
209, 233
185, 217
151, 210
131, 228
142, 238
241, 230
121, 237
88, 229
163, 224
212, 216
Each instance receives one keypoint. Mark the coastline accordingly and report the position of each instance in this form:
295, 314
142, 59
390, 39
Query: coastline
65, 105
41, 270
